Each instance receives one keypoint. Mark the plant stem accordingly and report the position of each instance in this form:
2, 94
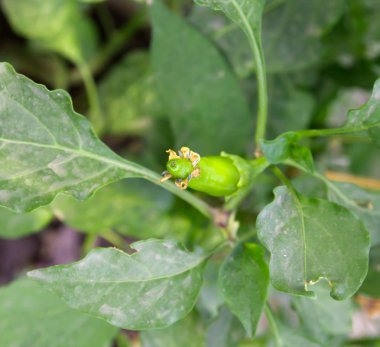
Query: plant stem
273, 325
113, 238
336, 131
89, 243
93, 99
248, 235
258, 56
280, 175
262, 112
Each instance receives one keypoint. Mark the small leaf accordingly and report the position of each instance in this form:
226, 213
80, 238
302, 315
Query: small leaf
311, 239
285, 149
33, 317
367, 117
202, 95
14, 225
185, 333
243, 282
152, 288
58, 25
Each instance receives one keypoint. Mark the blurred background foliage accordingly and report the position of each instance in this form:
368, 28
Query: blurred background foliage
194, 85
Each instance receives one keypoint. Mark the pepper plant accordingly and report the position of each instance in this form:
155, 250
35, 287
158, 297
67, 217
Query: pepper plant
270, 113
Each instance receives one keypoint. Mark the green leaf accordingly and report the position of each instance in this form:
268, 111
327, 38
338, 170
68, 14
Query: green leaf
367, 117
225, 331
46, 148
324, 316
202, 95
33, 317
128, 96
185, 333
362, 203
57, 25
14, 225
150, 289
311, 239
243, 282
285, 149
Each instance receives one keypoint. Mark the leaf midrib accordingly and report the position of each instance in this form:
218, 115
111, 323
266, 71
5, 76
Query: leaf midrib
125, 165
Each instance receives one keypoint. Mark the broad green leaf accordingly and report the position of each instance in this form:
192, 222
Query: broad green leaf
47, 148
135, 209
14, 225
243, 282
150, 289
206, 107
324, 316
362, 203
128, 96
57, 25
285, 149
367, 117
310, 239
292, 32
225, 331
185, 333
33, 317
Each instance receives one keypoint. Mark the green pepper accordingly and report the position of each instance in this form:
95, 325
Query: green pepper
214, 175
